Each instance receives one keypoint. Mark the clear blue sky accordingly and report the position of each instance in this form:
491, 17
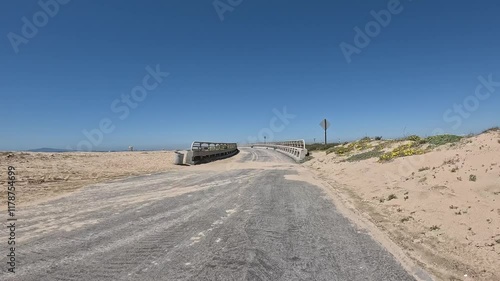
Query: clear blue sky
226, 77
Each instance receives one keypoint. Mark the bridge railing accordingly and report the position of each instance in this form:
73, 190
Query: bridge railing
296, 149
204, 151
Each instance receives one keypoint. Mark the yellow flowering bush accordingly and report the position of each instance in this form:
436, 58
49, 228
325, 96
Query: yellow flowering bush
402, 151
353, 146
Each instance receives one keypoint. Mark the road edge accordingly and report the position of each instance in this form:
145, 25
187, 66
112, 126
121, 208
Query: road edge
346, 208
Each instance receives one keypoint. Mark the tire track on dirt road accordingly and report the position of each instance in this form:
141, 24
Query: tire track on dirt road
249, 222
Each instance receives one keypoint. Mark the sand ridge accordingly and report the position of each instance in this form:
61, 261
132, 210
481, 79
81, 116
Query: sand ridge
443, 207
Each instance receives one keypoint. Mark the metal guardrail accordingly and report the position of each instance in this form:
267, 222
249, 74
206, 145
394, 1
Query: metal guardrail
296, 149
203, 151
211, 146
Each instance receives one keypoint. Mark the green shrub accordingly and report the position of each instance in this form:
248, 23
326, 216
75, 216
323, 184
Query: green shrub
443, 139
365, 155
413, 138
422, 141
320, 146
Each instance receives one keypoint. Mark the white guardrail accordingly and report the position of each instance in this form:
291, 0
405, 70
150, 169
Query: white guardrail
296, 149
203, 151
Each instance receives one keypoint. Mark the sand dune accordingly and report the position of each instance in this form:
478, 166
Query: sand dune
443, 206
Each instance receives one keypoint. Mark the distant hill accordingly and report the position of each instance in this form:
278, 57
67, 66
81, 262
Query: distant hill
48, 149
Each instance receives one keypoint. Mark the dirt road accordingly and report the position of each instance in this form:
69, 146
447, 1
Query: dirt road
253, 219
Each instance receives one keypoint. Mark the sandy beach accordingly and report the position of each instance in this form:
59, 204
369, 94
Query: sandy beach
42, 176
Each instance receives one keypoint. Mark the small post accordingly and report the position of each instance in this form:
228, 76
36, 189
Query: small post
324, 122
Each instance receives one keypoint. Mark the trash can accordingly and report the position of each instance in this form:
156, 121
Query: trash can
178, 158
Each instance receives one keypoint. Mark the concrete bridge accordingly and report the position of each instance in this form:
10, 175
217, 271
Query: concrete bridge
204, 151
